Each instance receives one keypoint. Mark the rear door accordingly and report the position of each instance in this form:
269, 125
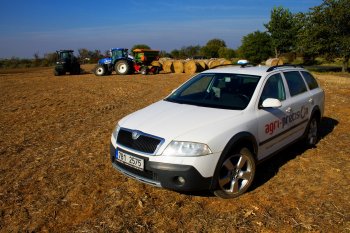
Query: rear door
299, 105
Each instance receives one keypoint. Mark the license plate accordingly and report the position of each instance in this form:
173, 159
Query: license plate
130, 160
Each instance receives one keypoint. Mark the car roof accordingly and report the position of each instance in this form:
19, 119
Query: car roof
252, 70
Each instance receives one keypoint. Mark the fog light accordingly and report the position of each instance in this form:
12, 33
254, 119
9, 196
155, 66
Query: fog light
180, 180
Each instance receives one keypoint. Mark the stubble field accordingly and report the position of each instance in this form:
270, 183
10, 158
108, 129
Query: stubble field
56, 175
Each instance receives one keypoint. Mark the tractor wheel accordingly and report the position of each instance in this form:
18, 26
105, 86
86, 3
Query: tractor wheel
144, 70
100, 70
157, 70
122, 67
56, 73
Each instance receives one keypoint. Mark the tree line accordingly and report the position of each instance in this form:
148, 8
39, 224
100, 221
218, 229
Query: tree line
323, 31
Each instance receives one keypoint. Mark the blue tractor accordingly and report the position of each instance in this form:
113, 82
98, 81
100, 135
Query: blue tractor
119, 60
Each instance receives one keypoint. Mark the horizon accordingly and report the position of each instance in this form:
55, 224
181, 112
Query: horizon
30, 27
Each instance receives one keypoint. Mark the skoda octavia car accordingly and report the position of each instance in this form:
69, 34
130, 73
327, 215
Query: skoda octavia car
210, 133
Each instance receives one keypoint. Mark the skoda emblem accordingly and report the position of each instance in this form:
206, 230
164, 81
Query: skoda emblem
135, 135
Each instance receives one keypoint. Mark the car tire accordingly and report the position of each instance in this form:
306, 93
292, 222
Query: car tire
312, 132
100, 70
236, 174
122, 67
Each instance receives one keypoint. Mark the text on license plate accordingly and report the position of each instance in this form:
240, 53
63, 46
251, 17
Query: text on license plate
130, 160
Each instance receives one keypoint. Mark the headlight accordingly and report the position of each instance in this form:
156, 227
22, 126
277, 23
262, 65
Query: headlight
116, 131
176, 148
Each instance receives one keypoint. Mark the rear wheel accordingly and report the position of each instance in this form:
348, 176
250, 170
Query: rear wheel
236, 174
122, 67
312, 133
157, 70
100, 70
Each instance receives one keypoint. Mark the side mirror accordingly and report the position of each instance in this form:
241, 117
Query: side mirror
271, 103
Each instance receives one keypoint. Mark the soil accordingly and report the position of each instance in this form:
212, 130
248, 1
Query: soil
56, 174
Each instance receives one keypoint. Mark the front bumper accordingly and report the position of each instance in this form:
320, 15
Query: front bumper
171, 176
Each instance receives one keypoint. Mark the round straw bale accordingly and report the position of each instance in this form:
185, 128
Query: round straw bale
225, 62
191, 67
178, 66
156, 63
214, 63
203, 65
168, 66
163, 59
274, 62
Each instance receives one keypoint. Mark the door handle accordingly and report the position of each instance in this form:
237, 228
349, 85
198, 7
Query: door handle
289, 109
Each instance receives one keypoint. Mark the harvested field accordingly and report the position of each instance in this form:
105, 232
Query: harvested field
56, 174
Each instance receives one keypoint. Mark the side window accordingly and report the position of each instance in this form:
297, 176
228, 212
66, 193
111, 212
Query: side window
310, 80
273, 88
295, 82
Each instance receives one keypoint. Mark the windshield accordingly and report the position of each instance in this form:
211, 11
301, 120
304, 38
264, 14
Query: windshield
220, 90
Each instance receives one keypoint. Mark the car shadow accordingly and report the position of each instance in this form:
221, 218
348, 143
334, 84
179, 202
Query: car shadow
270, 167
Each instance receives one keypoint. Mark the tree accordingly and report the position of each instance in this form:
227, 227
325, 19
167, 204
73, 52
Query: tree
50, 58
283, 30
186, 52
226, 53
327, 31
83, 53
256, 46
175, 54
163, 53
211, 49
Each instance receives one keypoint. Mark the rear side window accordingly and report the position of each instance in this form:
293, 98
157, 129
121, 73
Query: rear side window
310, 80
295, 82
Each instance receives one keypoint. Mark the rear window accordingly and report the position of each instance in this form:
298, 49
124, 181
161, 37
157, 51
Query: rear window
310, 80
295, 82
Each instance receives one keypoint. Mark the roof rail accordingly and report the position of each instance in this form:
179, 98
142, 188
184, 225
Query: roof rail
285, 65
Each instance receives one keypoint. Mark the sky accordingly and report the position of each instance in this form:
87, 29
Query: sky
29, 27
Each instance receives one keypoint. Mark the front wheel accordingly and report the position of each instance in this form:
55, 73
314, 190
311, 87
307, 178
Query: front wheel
56, 73
236, 174
100, 70
122, 67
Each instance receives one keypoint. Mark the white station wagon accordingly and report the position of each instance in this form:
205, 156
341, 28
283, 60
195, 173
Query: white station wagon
210, 133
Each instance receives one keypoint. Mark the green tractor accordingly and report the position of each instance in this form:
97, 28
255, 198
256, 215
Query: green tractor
66, 62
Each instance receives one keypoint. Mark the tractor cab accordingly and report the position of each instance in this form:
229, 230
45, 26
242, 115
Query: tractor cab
66, 62
64, 54
119, 53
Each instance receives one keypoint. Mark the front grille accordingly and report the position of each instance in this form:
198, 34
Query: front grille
144, 143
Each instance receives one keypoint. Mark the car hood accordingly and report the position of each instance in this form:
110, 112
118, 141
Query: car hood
172, 121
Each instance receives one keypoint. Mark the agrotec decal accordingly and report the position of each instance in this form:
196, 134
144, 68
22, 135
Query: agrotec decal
271, 127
